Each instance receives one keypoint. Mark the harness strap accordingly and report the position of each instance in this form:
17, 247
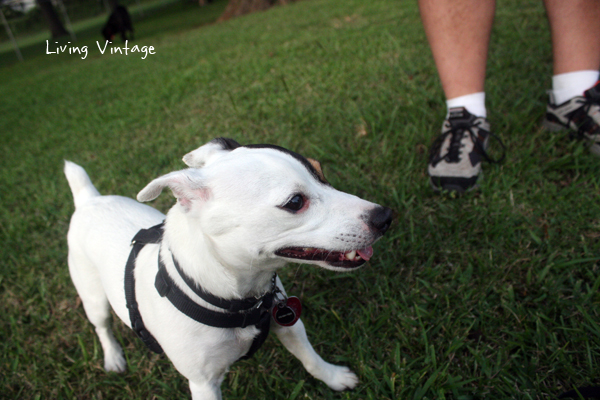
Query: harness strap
233, 305
145, 236
242, 313
166, 287
258, 316
264, 325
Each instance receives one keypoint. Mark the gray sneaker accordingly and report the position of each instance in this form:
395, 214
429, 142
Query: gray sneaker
581, 115
456, 155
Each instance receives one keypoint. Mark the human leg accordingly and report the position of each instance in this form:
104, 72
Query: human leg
575, 34
575, 101
458, 33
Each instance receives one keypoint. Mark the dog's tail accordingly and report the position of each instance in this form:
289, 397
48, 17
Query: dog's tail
80, 183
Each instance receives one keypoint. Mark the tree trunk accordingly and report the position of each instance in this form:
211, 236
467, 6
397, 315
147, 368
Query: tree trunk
56, 27
235, 8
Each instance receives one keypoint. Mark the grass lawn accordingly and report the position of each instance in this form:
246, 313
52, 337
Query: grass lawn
493, 295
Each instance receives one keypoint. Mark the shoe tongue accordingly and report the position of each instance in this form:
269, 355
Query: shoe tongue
458, 113
365, 253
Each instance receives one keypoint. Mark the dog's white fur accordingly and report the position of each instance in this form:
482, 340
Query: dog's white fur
224, 230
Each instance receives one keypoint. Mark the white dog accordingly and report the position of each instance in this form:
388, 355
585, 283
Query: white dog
206, 292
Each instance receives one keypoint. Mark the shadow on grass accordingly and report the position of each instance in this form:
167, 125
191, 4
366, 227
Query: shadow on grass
149, 21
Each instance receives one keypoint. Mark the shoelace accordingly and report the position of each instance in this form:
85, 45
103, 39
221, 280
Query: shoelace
457, 133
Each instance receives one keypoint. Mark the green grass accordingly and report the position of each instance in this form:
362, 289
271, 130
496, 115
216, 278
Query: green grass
493, 295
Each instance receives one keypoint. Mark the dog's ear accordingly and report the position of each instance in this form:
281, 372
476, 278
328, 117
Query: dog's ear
317, 166
219, 146
187, 185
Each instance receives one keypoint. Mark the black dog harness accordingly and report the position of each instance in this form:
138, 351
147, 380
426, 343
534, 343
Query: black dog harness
238, 313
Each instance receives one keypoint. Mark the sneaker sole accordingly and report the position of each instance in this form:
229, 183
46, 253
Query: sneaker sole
553, 126
454, 187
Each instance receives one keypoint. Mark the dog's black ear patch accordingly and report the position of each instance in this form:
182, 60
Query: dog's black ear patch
226, 143
313, 167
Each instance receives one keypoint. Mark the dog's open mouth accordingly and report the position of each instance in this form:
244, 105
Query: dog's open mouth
350, 259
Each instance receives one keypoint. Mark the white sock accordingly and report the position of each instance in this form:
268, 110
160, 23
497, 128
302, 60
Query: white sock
474, 103
571, 84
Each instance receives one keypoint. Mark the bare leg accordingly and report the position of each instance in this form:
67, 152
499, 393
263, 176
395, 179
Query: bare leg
458, 32
575, 28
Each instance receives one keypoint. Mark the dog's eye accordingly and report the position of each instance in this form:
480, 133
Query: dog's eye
295, 203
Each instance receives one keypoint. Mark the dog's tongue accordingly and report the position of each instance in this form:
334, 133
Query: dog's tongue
365, 253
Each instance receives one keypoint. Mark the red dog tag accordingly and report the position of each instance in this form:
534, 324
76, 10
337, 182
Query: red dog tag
287, 312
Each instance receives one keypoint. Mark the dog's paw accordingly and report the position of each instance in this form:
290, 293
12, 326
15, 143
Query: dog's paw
115, 363
343, 379
337, 377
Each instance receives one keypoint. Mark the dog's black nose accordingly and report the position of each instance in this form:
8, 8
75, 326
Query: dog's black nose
380, 219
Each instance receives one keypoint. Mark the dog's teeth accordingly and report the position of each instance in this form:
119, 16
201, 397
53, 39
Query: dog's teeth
309, 248
351, 255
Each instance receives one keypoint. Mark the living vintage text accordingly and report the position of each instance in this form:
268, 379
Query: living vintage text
83, 50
